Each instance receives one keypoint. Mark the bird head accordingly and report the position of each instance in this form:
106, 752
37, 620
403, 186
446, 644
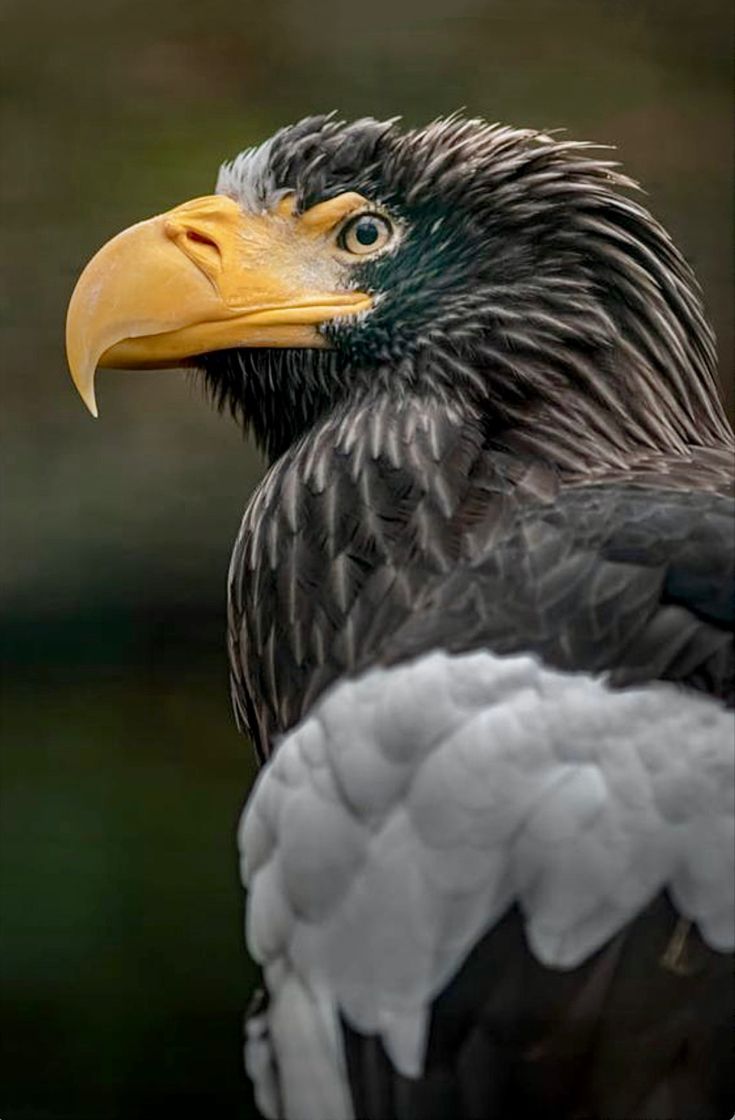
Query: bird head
484, 264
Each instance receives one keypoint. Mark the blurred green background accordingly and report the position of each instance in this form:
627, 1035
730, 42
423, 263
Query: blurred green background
123, 970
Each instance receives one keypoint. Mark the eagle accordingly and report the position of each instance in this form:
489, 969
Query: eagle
480, 616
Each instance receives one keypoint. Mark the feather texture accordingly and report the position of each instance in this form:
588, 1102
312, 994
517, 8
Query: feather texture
415, 805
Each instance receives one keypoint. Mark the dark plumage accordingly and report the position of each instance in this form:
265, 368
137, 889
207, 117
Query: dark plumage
548, 320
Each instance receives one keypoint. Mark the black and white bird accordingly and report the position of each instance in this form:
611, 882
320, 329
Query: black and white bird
480, 617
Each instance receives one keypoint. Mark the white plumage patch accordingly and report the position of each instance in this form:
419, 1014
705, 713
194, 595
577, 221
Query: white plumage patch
398, 822
248, 179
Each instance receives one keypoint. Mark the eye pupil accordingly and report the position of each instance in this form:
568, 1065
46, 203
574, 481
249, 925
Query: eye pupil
367, 232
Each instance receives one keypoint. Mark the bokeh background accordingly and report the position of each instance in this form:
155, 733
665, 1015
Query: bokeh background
123, 969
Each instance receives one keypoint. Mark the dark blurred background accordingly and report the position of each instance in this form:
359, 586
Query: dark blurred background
123, 969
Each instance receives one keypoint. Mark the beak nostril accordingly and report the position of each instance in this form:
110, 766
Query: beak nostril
201, 239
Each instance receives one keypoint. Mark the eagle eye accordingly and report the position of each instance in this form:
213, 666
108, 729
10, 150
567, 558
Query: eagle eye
365, 234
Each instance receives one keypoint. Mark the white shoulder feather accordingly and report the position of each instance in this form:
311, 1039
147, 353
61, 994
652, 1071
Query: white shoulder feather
398, 822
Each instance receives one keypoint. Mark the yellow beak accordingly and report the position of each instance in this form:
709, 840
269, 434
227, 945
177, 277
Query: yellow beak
202, 277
